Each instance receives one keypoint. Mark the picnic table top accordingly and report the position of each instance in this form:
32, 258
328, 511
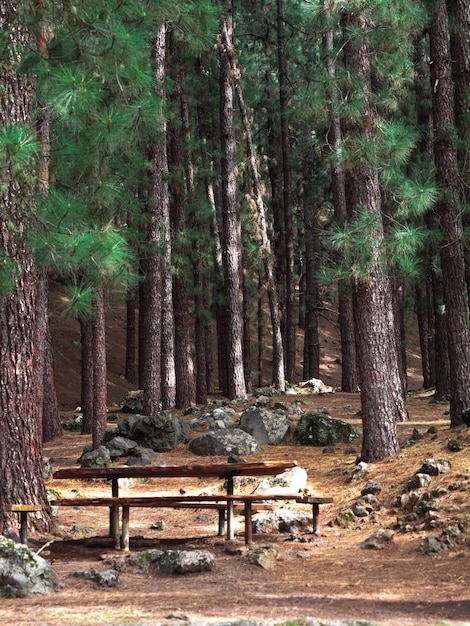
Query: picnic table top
220, 470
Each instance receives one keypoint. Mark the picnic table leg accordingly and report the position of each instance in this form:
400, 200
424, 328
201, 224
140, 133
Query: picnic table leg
114, 514
221, 522
230, 528
24, 527
248, 523
315, 516
125, 527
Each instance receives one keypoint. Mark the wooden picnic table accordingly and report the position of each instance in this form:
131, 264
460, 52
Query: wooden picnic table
226, 471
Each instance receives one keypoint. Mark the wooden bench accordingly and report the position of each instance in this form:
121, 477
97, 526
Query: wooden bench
23, 510
218, 502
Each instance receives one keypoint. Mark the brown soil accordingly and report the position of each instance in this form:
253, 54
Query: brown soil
326, 577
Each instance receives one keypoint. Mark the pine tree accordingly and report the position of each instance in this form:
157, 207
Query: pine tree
448, 211
21, 389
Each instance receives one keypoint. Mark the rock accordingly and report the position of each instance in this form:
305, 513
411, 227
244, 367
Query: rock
224, 443
282, 521
158, 525
317, 429
23, 573
132, 403
160, 433
433, 545
106, 578
408, 501
419, 481
315, 385
263, 401
361, 511
72, 424
120, 446
138, 461
344, 519
265, 556
379, 539
267, 427
373, 487
268, 392
455, 446
434, 467
291, 481
96, 458
185, 561
365, 505
360, 471
46, 468
125, 426
146, 454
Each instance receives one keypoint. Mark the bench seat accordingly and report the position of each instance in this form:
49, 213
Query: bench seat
222, 503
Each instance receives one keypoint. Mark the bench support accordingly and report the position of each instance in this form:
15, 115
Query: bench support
315, 502
23, 510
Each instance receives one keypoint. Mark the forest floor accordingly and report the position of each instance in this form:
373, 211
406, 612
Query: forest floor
328, 577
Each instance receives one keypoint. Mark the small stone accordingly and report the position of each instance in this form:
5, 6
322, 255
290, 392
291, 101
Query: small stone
372, 487
454, 445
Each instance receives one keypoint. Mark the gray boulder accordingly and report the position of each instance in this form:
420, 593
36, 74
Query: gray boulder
265, 556
224, 443
120, 446
133, 402
106, 578
172, 561
434, 467
267, 427
378, 540
433, 545
160, 433
282, 521
291, 481
96, 458
23, 573
318, 429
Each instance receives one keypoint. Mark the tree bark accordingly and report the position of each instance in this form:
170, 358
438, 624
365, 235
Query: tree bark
151, 291
87, 370
290, 303
448, 210
262, 229
21, 389
98, 325
131, 335
382, 397
231, 236
51, 424
177, 189
349, 373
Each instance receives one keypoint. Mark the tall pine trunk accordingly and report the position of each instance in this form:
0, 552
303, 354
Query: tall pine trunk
349, 373
151, 289
231, 235
98, 325
382, 397
290, 301
262, 229
22, 377
449, 211
177, 188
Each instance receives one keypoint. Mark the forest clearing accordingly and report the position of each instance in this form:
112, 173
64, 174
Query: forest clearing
330, 577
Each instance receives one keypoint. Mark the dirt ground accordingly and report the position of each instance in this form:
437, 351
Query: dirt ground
328, 577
